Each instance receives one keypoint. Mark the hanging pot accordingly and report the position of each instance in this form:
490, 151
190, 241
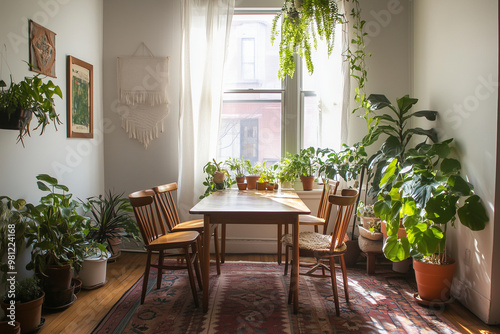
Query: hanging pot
15, 121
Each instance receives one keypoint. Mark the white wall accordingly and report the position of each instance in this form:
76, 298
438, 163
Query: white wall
77, 163
456, 73
388, 41
129, 166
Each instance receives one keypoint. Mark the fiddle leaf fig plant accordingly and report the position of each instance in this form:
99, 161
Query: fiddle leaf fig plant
395, 125
427, 195
303, 22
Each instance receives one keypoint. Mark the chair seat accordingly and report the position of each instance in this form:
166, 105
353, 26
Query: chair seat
314, 242
191, 225
310, 220
174, 240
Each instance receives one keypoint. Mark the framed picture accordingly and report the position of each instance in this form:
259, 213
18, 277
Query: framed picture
42, 49
80, 97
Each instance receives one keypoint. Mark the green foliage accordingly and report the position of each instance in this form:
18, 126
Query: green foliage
347, 163
58, 233
13, 226
426, 195
217, 178
356, 55
109, 216
236, 165
305, 163
35, 98
395, 125
27, 289
300, 29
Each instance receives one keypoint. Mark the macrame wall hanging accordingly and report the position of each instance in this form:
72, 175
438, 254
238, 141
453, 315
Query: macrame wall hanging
142, 94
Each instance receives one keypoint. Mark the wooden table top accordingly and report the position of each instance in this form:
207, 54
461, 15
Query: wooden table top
251, 201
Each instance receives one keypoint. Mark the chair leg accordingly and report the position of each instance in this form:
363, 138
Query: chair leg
145, 279
290, 289
334, 285
191, 275
217, 250
223, 244
344, 275
287, 252
160, 270
196, 256
280, 246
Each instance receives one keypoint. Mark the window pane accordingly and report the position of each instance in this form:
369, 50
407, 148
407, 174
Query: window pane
252, 62
312, 129
251, 127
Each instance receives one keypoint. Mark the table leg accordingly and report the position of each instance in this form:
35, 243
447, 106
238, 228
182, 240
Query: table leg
295, 266
205, 268
223, 244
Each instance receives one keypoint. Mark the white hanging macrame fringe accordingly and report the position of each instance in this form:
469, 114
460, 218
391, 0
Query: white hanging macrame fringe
143, 123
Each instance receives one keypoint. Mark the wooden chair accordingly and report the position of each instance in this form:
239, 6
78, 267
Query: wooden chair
328, 247
157, 239
321, 219
165, 201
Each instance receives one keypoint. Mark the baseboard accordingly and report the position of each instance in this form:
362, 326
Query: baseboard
472, 300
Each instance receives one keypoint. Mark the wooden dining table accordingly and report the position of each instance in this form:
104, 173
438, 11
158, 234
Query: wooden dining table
234, 206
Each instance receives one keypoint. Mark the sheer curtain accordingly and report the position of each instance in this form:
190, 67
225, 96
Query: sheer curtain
205, 34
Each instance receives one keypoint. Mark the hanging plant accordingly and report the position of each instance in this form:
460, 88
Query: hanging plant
303, 21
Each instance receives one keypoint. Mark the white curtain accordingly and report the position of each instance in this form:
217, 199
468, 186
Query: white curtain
205, 34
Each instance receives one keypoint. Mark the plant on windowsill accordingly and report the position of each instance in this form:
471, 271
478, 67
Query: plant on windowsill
217, 178
253, 174
27, 99
426, 193
303, 23
305, 165
237, 166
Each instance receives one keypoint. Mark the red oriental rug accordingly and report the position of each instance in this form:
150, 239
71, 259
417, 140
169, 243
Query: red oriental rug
252, 298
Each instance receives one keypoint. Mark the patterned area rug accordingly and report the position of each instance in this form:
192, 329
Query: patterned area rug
252, 298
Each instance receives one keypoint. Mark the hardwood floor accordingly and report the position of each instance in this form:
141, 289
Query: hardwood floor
92, 305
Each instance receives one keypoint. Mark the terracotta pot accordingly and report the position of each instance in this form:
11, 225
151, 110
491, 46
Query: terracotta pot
307, 182
114, 248
57, 299
219, 177
261, 185
269, 186
434, 280
28, 314
383, 229
252, 181
57, 278
7, 328
242, 186
240, 179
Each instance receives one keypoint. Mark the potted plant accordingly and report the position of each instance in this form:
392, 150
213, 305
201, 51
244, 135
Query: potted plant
426, 195
395, 125
216, 178
109, 222
305, 164
253, 174
238, 167
25, 99
369, 222
58, 241
303, 21
26, 301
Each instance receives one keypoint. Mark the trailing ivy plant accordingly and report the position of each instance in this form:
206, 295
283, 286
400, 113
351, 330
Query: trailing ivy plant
303, 21
356, 55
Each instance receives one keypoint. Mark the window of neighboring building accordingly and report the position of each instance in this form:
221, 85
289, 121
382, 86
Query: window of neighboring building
263, 117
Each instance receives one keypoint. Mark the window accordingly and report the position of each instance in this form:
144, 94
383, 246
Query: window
262, 117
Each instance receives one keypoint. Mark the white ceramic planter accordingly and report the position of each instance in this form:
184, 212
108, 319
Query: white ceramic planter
93, 272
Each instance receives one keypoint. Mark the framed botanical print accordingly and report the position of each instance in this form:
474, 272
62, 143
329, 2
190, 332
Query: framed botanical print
42, 49
80, 99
